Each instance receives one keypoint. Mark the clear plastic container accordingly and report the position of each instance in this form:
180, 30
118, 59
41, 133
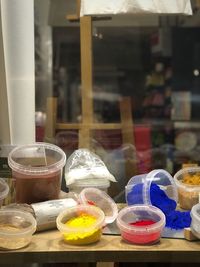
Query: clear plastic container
4, 190
137, 190
188, 194
99, 183
128, 217
96, 197
195, 224
81, 233
37, 170
16, 229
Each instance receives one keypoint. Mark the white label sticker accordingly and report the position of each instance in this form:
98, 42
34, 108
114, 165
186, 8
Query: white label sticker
47, 212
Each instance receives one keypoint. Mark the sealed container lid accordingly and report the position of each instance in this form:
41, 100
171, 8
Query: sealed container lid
138, 187
23, 222
190, 172
195, 215
77, 211
96, 197
98, 182
4, 189
38, 158
128, 215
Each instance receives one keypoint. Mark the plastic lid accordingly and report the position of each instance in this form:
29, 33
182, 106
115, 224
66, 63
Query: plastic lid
98, 182
24, 220
4, 189
76, 211
179, 176
195, 212
160, 177
37, 159
140, 212
96, 197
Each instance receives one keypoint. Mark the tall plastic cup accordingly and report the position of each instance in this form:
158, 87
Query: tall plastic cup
37, 170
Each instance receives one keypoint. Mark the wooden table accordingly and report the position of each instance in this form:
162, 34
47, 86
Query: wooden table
48, 247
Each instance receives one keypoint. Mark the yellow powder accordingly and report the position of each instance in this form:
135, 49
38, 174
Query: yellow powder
191, 179
82, 238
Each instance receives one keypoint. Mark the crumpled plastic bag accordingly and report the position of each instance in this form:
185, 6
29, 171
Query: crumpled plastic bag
112, 7
84, 164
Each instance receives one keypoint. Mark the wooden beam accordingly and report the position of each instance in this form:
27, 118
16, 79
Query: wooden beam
128, 136
51, 113
86, 78
92, 126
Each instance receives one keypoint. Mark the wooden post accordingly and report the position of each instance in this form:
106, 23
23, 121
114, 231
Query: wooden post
51, 113
86, 80
128, 136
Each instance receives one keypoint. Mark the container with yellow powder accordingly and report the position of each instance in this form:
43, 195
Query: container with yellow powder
188, 185
81, 225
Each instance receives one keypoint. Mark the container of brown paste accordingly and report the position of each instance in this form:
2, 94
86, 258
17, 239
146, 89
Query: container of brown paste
37, 171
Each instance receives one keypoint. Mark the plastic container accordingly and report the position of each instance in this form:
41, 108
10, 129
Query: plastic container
96, 197
188, 195
99, 183
37, 170
16, 229
81, 234
195, 224
4, 190
143, 235
137, 190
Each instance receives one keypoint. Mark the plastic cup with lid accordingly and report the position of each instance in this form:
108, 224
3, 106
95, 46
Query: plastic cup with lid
188, 185
195, 224
37, 170
101, 199
4, 190
81, 225
16, 228
138, 189
141, 224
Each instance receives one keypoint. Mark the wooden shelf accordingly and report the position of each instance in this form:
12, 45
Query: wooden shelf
48, 247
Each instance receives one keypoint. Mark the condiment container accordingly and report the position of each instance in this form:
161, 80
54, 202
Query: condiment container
16, 229
188, 194
96, 197
79, 185
137, 190
195, 224
128, 218
37, 170
4, 190
81, 232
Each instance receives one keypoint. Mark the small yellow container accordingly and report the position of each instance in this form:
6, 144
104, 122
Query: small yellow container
81, 225
188, 193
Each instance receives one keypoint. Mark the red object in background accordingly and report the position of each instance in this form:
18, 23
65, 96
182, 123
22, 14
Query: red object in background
142, 136
142, 238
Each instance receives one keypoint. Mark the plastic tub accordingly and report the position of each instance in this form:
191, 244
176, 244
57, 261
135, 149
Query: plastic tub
188, 194
96, 197
83, 231
137, 190
195, 224
128, 217
16, 229
4, 190
37, 170
99, 183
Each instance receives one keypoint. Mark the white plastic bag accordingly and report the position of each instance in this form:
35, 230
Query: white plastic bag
84, 164
111, 7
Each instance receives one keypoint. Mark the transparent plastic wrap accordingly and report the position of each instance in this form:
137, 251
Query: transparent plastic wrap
84, 164
104, 7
